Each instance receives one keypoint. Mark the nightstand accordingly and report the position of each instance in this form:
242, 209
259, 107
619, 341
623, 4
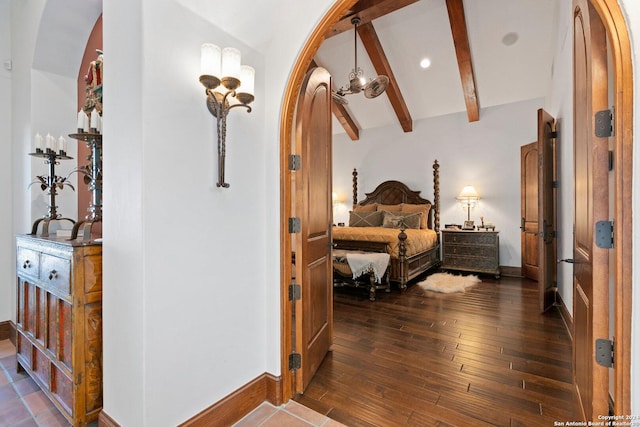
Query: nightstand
477, 251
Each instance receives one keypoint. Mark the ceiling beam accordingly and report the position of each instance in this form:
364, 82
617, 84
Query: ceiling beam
463, 53
341, 113
379, 60
367, 11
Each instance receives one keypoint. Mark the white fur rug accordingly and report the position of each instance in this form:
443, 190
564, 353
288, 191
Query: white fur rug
447, 283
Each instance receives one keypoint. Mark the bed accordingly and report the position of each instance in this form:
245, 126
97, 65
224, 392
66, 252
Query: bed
396, 220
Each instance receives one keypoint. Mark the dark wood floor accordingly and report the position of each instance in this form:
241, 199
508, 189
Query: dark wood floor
485, 357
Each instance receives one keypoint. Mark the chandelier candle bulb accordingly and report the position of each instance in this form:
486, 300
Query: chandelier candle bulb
95, 120
62, 146
49, 142
82, 116
39, 143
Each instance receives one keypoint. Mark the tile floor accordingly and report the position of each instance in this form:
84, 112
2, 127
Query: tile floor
23, 404
291, 414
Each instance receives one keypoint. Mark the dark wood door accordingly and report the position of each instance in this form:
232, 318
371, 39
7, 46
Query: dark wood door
314, 311
547, 264
529, 209
590, 298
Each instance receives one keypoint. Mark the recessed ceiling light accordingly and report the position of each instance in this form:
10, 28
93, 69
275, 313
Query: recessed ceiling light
509, 39
425, 63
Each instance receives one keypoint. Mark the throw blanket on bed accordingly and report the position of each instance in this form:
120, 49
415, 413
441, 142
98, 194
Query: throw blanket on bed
417, 240
369, 262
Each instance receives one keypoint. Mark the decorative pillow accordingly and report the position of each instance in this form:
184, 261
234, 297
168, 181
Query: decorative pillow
394, 220
390, 208
365, 219
424, 209
365, 208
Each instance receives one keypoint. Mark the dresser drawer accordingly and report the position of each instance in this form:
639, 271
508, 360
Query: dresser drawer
28, 262
475, 238
470, 250
55, 274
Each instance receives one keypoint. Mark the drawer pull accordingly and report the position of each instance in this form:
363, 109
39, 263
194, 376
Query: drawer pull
53, 275
27, 264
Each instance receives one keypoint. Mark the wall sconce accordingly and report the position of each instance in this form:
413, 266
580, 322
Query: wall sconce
227, 85
468, 198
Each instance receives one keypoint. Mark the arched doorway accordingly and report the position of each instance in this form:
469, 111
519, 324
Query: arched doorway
611, 15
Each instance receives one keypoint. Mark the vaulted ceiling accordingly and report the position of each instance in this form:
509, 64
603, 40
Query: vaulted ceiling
483, 53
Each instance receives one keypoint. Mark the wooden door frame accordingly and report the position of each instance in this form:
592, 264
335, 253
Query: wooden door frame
620, 45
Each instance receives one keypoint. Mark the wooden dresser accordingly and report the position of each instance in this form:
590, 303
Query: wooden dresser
477, 251
59, 322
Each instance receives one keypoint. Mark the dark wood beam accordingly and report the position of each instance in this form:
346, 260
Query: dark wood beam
341, 114
367, 11
463, 53
379, 60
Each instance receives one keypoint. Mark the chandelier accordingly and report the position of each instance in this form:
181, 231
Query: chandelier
357, 81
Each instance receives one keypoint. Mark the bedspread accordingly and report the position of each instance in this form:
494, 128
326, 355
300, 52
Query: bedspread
418, 240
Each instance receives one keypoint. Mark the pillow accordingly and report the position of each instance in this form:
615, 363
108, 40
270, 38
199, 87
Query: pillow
424, 209
390, 208
394, 220
365, 208
365, 219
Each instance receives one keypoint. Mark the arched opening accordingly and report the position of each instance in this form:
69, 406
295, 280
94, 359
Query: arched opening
611, 15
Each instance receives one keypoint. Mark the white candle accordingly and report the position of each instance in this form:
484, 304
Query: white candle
85, 124
39, 142
62, 145
95, 118
49, 142
81, 117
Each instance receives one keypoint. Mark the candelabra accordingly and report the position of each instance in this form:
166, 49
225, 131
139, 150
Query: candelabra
52, 183
93, 178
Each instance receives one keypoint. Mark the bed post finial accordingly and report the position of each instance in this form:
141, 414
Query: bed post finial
436, 194
355, 186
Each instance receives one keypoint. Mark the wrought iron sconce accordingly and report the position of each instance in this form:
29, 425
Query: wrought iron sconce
227, 85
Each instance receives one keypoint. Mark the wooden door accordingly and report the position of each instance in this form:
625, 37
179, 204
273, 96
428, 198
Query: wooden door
529, 209
313, 313
590, 298
547, 264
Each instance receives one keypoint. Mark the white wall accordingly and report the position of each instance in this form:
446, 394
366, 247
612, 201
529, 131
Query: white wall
485, 154
6, 232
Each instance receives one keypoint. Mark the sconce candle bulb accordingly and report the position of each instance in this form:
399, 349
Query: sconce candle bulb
225, 81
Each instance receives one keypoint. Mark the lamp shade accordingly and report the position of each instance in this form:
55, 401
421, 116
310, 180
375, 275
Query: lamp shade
247, 80
210, 59
231, 62
468, 193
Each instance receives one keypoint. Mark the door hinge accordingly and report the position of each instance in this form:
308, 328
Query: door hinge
604, 352
295, 361
555, 184
553, 134
604, 234
295, 162
294, 225
604, 123
294, 292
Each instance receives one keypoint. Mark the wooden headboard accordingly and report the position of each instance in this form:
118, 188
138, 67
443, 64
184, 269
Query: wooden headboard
395, 192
